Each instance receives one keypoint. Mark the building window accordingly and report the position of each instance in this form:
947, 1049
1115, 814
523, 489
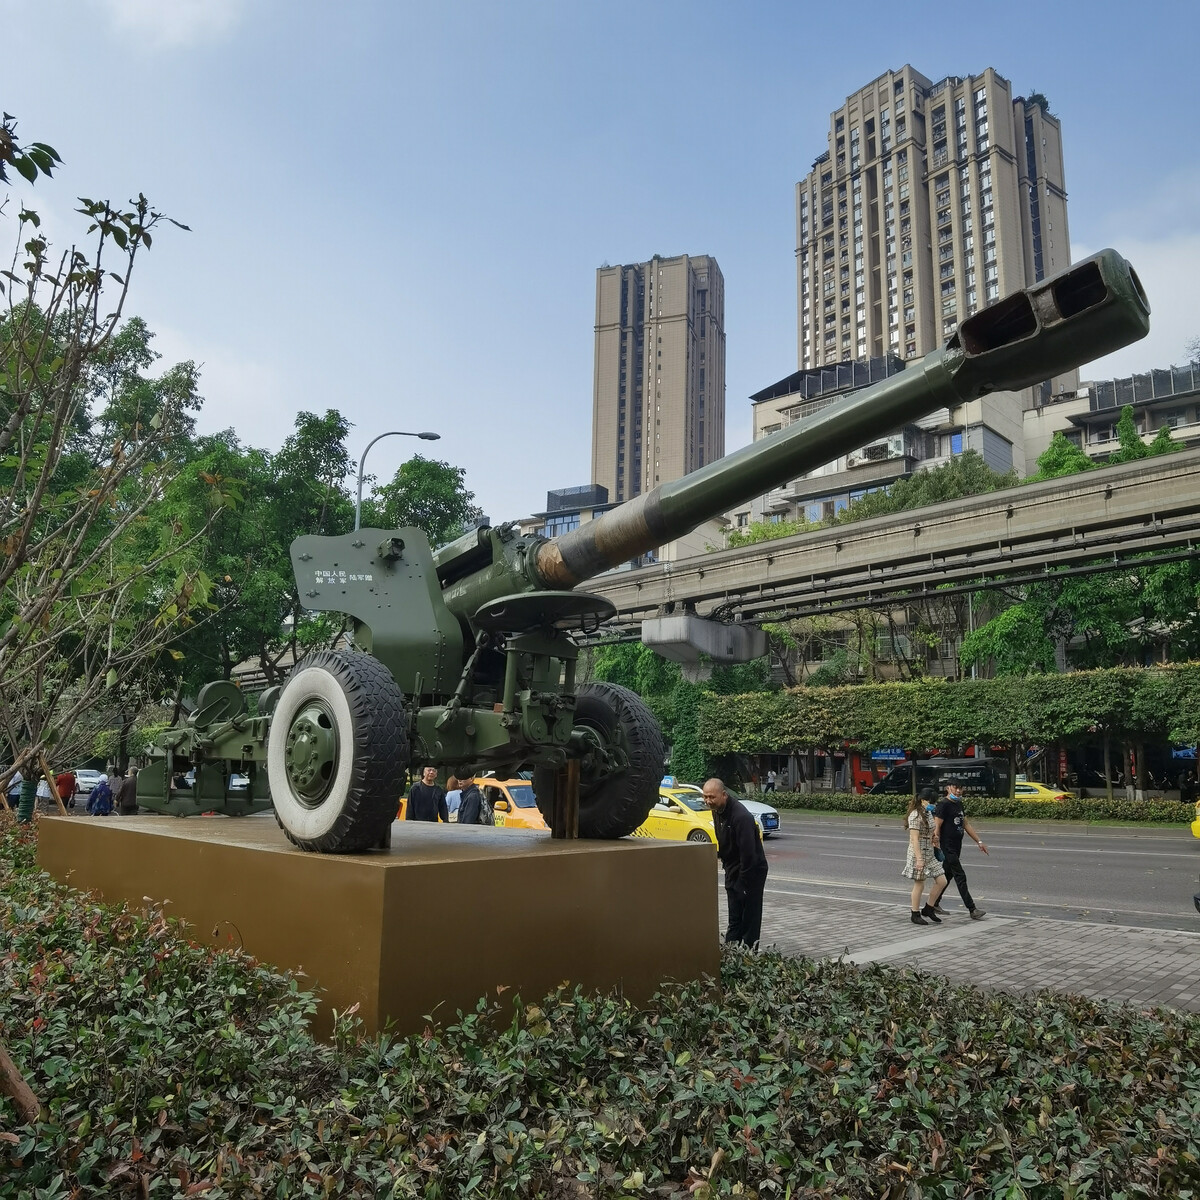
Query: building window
956, 443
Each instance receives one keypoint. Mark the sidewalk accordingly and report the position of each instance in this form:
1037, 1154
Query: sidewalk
1105, 962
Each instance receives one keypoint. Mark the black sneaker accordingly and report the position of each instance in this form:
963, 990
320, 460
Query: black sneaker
977, 914
917, 919
930, 912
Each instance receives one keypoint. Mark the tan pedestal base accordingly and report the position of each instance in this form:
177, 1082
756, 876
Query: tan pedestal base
443, 917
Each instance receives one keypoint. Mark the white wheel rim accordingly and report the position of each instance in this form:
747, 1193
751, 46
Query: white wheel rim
298, 819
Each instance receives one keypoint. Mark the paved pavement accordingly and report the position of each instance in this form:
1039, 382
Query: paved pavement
1030, 940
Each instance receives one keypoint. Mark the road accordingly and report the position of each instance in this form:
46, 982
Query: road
1065, 872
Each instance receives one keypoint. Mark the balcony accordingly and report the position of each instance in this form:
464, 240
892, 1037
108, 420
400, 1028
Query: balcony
905, 445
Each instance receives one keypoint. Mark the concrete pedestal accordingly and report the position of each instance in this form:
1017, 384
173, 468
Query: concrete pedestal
444, 916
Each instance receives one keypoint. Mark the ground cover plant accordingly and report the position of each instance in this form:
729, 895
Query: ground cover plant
167, 1069
1091, 808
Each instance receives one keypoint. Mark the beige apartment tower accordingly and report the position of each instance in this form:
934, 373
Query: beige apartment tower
658, 391
932, 200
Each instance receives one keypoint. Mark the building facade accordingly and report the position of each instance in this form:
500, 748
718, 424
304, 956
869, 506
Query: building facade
932, 200
658, 389
1165, 396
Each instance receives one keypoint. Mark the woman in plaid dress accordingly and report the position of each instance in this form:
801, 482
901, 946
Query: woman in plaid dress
921, 865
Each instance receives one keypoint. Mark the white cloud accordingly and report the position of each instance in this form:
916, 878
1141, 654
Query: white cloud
164, 24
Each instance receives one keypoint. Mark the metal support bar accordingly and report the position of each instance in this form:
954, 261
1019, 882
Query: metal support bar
564, 812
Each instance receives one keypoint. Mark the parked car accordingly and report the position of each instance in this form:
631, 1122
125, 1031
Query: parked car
977, 776
1040, 792
679, 816
766, 816
86, 779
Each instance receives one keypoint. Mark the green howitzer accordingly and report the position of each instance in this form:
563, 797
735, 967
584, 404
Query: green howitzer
464, 658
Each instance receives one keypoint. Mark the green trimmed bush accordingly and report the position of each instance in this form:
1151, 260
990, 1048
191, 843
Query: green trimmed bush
170, 1070
1092, 809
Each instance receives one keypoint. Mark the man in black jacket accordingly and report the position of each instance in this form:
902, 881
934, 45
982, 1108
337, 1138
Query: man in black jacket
471, 808
741, 852
427, 801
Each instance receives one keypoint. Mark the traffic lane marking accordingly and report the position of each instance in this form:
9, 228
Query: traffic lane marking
1087, 908
1027, 849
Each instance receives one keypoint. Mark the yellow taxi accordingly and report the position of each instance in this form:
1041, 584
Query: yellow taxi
1196, 822
513, 803
679, 816
1039, 792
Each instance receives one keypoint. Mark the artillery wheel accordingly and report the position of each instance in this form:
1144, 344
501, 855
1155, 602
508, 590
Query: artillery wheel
612, 803
336, 753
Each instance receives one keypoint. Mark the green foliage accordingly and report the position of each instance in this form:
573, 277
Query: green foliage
964, 475
1126, 617
30, 160
1014, 642
1167, 812
1163, 442
1061, 457
427, 494
1131, 702
1132, 446
168, 1069
767, 531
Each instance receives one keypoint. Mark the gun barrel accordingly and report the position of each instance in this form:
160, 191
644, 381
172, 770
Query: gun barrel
1085, 312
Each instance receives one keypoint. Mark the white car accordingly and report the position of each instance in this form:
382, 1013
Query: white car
766, 816
85, 780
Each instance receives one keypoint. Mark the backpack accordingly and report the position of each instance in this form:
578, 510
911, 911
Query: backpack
486, 816
100, 803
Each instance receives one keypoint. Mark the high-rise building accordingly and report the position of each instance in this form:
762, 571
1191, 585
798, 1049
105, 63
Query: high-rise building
659, 378
932, 200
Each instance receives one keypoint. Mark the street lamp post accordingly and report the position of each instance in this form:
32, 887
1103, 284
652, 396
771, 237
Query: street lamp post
428, 437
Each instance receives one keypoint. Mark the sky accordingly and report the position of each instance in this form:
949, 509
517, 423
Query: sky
397, 209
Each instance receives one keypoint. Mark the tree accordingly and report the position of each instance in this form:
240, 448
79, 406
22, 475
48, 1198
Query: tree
427, 494
94, 581
1061, 457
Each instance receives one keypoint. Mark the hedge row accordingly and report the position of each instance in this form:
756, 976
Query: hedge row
1094, 809
168, 1070
1130, 703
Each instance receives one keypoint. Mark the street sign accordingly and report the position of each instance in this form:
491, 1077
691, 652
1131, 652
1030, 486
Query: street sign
887, 754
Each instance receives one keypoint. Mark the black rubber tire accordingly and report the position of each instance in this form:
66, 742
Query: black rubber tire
615, 805
698, 835
368, 710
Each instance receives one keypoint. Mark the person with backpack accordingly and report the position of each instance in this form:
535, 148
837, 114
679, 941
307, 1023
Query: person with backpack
473, 808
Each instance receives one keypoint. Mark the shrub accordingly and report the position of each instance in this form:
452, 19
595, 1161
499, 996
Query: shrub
168, 1070
1092, 809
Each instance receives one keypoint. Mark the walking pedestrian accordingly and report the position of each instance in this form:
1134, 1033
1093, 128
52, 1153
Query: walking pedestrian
66, 784
427, 801
949, 824
126, 795
770, 782
921, 864
741, 852
474, 809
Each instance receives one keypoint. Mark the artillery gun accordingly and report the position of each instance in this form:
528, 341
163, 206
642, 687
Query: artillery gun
465, 657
